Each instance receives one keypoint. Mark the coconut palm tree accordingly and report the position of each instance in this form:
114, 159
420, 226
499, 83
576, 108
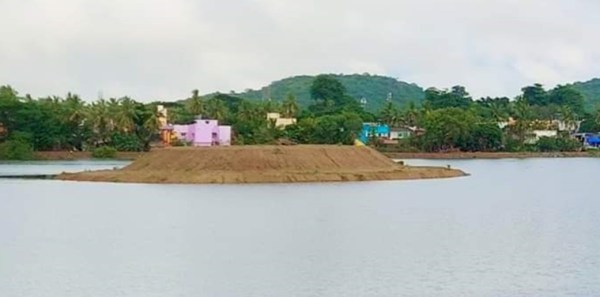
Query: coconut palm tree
195, 104
569, 118
290, 108
410, 116
216, 109
497, 112
100, 120
389, 114
126, 115
522, 112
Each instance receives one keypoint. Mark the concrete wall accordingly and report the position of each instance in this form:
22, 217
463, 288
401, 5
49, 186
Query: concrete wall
225, 135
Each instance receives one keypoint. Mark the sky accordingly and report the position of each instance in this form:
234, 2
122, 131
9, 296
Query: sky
162, 49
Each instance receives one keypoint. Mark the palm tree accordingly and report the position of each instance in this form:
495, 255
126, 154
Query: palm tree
410, 116
195, 104
75, 108
249, 111
126, 115
497, 112
100, 121
216, 109
569, 118
290, 108
152, 122
389, 114
522, 111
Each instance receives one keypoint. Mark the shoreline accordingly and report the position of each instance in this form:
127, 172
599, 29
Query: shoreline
130, 156
489, 155
77, 156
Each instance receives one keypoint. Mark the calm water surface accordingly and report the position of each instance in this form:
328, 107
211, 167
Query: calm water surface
56, 167
513, 228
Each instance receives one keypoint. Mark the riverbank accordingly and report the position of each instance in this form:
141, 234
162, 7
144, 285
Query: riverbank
262, 164
73, 156
496, 155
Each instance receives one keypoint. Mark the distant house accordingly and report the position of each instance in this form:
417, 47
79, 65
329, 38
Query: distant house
404, 132
568, 127
204, 132
280, 122
370, 130
397, 133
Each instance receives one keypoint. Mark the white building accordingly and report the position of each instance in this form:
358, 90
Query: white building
279, 121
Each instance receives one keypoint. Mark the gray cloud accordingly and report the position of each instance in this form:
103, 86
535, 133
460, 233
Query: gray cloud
161, 49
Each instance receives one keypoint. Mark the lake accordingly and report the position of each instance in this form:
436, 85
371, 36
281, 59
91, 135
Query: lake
512, 228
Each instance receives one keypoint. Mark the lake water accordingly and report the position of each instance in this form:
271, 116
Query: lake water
513, 228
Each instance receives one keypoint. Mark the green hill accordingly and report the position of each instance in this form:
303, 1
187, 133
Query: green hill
591, 92
372, 87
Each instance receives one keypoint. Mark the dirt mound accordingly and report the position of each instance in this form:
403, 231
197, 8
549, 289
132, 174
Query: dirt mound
262, 164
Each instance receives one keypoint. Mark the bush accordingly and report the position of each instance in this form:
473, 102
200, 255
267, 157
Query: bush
179, 142
104, 152
558, 144
124, 142
16, 150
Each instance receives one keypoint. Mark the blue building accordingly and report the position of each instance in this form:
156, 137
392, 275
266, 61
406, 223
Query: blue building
589, 140
374, 129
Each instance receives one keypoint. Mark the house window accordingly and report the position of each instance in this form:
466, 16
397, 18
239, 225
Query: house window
206, 122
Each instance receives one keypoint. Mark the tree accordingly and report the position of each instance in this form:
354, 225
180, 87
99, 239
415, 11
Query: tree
447, 129
569, 118
535, 95
195, 104
126, 114
326, 87
410, 115
390, 115
484, 137
456, 97
522, 114
567, 96
290, 108
101, 122
216, 109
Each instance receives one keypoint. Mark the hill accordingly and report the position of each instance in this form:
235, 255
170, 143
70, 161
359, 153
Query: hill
591, 92
374, 88
262, 164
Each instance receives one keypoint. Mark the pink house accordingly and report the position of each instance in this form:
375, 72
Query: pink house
204, 133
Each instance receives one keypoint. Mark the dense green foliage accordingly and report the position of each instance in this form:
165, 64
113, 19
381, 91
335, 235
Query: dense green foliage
15, 150
104, 152
451, 119
69, 123
557, 144
591, 93
374, 88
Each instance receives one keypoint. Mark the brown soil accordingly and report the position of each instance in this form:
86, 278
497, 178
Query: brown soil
262, 164
482, 155
70, 156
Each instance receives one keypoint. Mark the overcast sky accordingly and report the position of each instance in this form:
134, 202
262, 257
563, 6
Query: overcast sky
162, 49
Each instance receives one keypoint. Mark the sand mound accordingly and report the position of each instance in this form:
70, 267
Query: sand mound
262, 164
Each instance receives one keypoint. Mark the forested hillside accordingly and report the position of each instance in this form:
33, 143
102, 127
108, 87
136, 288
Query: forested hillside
590, 91
372, 87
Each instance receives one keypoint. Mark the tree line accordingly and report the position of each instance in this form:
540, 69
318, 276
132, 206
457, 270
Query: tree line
451, 119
